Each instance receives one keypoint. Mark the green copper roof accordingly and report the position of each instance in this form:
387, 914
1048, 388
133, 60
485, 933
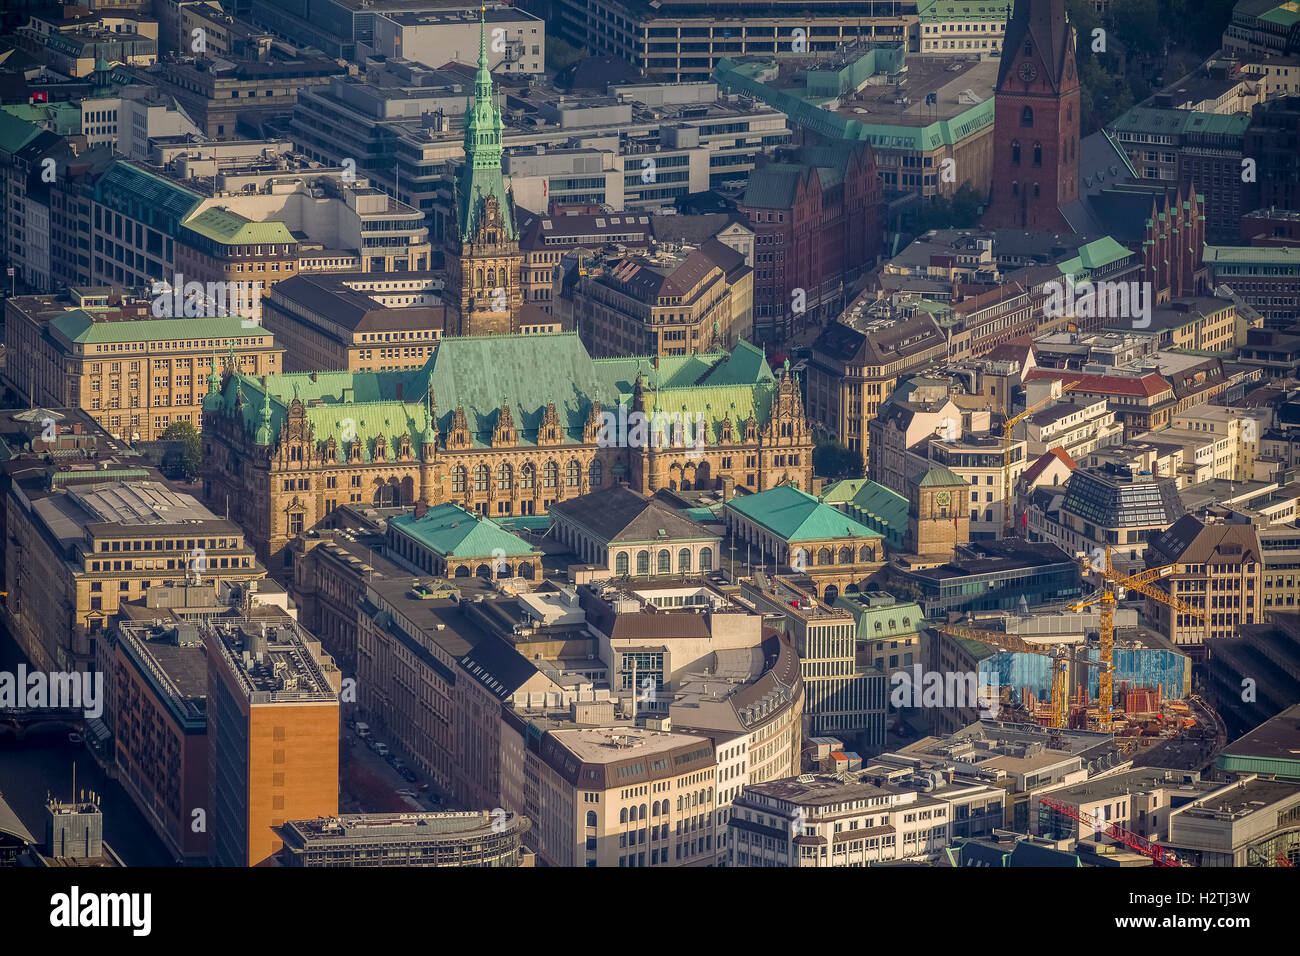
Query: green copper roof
230, 228
15, 133
793, 515
1094, 255
882, 621
80, 326
871, 503
1253, 255
751, 78
1148, 119
478, 373
123, 182
452, 532
929, 11
941, 477
63, 119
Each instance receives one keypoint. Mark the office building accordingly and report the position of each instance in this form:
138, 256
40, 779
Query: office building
273, 731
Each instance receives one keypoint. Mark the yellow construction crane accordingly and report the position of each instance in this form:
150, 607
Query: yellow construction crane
1059, 654
1113, 582
1006, 453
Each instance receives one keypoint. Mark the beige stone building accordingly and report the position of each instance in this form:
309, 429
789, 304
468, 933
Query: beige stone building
479, 427
625, 796
135, 374
78, 551
669, 303
856, 365
356, 321
1218, 569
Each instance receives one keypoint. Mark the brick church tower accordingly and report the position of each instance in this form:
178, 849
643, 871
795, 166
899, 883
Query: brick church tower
484, 265
1036, 121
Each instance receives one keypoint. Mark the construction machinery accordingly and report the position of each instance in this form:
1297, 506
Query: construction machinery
1113, 584
1060, 655
1006, 454
1158, 854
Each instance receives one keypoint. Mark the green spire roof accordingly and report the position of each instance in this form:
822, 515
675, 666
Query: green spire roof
480, 177
264, 430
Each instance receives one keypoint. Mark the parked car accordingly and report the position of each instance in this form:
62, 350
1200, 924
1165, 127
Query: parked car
408, 774
381, 749
406, 793
388, 755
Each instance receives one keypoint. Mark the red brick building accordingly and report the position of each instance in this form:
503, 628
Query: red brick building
1174, 244
1036, 121
817, 222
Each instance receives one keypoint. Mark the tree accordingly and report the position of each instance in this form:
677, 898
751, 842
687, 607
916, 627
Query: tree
189, 458
561, 55
834, 461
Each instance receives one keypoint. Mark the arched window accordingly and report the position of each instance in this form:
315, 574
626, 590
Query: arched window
1027, 116
551, 475
679, 803
478, 278
595, 474
643, 811
505, 477
865, 553
492, 278
846, 555
1015, 152
458, 479
665, 562
481, 478
622, 815
591, 818
643, 562
706, 559
572, 473
824, 556
620, 563
1035, 190
1038, 154
654, 808
683, 560
1015, 188
528, 477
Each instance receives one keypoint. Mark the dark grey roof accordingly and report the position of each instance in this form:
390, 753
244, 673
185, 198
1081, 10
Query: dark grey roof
9, 823
498, 667
619, 514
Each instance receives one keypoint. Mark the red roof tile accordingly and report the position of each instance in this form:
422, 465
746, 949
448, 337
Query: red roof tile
1146, 386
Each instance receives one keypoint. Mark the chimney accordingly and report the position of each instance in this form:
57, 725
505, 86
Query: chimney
421, 509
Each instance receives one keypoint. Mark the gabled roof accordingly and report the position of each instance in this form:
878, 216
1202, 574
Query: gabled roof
452, 532
1146, 386
1031, 473
794, 515
619, 515
1189, 540
941, 477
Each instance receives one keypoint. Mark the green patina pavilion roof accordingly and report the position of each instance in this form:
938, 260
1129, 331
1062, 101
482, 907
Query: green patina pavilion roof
794, 515
452, 532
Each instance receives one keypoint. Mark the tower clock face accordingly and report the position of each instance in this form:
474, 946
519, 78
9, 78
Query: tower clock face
1028, 71
943, 498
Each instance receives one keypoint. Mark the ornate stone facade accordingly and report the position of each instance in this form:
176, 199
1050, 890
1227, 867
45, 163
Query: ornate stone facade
286, 451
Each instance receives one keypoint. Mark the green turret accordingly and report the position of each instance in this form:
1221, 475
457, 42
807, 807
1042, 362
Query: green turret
263, 436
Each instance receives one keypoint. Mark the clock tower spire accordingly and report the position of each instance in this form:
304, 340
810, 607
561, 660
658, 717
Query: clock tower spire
1036, 121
